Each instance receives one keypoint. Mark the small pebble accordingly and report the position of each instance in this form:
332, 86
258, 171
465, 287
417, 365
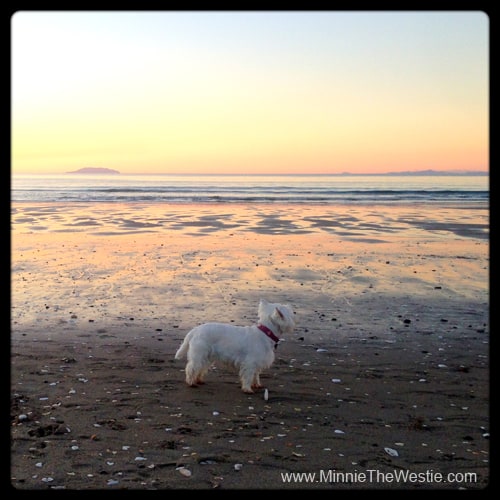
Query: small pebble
184, 471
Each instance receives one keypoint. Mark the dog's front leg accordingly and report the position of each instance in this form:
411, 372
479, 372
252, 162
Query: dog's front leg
247, 377
256, 381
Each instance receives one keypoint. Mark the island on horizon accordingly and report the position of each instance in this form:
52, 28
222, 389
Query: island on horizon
94, 170
428, 172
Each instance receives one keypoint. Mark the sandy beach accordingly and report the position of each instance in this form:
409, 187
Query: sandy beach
383, 385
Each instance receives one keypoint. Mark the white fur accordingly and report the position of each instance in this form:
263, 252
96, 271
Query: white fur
245, 347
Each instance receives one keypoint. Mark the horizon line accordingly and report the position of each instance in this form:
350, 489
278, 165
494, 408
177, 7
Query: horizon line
428, 172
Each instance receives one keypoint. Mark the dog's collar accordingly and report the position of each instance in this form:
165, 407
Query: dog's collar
269, 333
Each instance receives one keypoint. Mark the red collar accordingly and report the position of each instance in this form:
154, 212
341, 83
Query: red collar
269, 333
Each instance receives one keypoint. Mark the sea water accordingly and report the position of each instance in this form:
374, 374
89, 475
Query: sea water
319, 189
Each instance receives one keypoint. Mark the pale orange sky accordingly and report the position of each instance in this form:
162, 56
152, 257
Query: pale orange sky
249, 92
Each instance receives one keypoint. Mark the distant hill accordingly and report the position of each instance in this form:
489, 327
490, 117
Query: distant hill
438, 172
424, 172
94, 170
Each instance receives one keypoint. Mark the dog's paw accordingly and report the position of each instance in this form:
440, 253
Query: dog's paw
248, 391
257, 386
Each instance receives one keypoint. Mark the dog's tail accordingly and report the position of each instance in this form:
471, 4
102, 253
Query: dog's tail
183, 349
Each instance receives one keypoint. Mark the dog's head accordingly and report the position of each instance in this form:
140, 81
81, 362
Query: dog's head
280, 315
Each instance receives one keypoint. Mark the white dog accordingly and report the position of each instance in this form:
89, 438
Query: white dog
248, 348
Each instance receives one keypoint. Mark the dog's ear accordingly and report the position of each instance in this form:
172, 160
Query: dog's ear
280, 314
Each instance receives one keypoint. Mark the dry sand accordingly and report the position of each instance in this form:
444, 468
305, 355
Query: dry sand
391, 351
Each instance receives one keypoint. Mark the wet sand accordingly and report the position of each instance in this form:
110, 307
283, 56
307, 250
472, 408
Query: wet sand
387, 372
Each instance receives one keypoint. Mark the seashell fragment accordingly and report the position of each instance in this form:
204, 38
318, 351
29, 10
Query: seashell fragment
238, 467
266, 394
391, 452
336, 380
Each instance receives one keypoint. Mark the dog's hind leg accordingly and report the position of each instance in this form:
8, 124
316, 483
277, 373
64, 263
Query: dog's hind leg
196, 368
201, 375
191, 374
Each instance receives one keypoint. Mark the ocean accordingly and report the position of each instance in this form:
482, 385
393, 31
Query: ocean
316, 189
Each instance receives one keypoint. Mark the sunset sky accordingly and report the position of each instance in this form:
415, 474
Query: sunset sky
250, 92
